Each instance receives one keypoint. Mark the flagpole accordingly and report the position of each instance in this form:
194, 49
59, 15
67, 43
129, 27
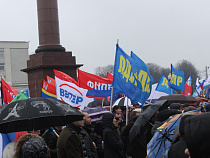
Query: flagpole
2, 99
102, 103
127, 112
111, 100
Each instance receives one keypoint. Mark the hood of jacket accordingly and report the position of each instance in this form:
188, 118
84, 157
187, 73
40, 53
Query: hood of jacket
107, 120
196, 134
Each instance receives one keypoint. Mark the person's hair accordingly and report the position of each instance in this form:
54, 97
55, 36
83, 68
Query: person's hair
131, 115
115, 108
26, 138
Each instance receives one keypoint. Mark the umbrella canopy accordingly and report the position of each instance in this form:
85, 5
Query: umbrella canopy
96, 114
36, 113
143, 118
98, 102
178, 98
165, 135
123, 102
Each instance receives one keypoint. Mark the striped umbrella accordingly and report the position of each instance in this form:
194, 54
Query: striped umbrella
95, 114
123, 102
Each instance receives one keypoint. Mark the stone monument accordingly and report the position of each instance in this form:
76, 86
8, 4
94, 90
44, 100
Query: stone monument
50, 54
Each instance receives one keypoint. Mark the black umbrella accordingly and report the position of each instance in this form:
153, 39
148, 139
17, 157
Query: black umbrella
97, 103
36, 113
144, 117
178, 98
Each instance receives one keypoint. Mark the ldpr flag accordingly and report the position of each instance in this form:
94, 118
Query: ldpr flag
177, 79
163, 86
143, 67
130, 77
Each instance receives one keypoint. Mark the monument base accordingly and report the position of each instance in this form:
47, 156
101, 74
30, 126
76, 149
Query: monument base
43, 63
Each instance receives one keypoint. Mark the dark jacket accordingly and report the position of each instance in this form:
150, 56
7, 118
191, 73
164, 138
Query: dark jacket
69, 143
177, 150
138, 148
113, 146
196, 133
50, 139
89, 147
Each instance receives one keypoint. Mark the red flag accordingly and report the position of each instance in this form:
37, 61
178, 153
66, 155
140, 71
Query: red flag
109, 76
8, 92
50, 80
188, 87
48, 90
89, 81
64, 77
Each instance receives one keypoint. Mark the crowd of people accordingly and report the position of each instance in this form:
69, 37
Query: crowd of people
109, 137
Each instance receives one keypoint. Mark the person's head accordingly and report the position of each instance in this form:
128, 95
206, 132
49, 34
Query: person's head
31, 145
99, 128
108, 120
175, 106
80, 123
87, 119
117, 109
196, 134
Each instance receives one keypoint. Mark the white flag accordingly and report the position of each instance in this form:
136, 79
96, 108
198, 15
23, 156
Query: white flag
71, 93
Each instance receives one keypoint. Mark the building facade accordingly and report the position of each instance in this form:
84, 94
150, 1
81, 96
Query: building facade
13, 58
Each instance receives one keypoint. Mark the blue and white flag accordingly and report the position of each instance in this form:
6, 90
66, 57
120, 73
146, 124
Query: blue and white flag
163, 86
131, 78
206, 83
177, 81
207, 96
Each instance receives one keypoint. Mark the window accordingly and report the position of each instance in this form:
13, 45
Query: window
1, 66
1, 53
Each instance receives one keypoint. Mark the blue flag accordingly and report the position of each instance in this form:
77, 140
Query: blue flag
143, 67
177, 81
163, 85
130, 77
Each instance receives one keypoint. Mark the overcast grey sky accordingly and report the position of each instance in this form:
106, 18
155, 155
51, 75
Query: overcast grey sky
158, 31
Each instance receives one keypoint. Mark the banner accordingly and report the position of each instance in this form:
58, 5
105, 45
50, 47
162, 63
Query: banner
8, 92
71, 93
130, 77
177, 79
97, 86
48, 90
163, 86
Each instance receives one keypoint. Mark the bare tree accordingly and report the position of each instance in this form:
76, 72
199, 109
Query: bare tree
156, 71
102, 70
189, 69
